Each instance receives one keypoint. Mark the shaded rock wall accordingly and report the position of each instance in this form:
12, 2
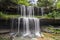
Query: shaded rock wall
12, 8
4, 24
54, 22
7, 24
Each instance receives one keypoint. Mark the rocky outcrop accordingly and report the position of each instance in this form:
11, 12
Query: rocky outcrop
54, 22
8, 23
12, 8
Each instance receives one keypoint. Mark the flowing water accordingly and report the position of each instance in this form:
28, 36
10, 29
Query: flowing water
30, 11
23, 11
28, 31
42, 10
31, 25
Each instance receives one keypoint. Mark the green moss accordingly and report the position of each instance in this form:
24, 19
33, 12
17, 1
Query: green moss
53, 15
2, 38
5, 16
58, 5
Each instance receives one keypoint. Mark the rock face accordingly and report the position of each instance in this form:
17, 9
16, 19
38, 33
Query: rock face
4, 24
12, 8
13, 23
54, 22
8, 23
8, 7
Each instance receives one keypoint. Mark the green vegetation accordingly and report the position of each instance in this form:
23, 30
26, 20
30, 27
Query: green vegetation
54, 14
58, 5
1, 38
41, 3
23, 2
52, 29
45, 3
52, 32
5, 16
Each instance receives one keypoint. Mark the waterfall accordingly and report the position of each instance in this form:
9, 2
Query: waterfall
26, 25
29, 11
37, 27
23, 11
42, 10
18, 25
27, 19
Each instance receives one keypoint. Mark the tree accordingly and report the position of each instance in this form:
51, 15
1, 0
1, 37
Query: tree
46, 3
23, 2
58, 4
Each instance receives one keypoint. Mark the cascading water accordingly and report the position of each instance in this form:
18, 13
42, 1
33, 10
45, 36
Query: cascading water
23, 11
30, 11
42, 10
26, 22
37, 27
26, 25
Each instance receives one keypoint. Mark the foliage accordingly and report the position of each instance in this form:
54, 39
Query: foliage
6, 16
1, 38
58, 5
53, 14
45, 3
52, 29
23, 2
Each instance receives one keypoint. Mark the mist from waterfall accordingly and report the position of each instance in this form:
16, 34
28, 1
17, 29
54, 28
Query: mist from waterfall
27, 14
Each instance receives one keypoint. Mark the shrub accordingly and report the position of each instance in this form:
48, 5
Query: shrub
1, 38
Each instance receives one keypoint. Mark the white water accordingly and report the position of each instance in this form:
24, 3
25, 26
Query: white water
18, 25
26, 18
30, 11
37, 27
42, 10
23, 11
26, 32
